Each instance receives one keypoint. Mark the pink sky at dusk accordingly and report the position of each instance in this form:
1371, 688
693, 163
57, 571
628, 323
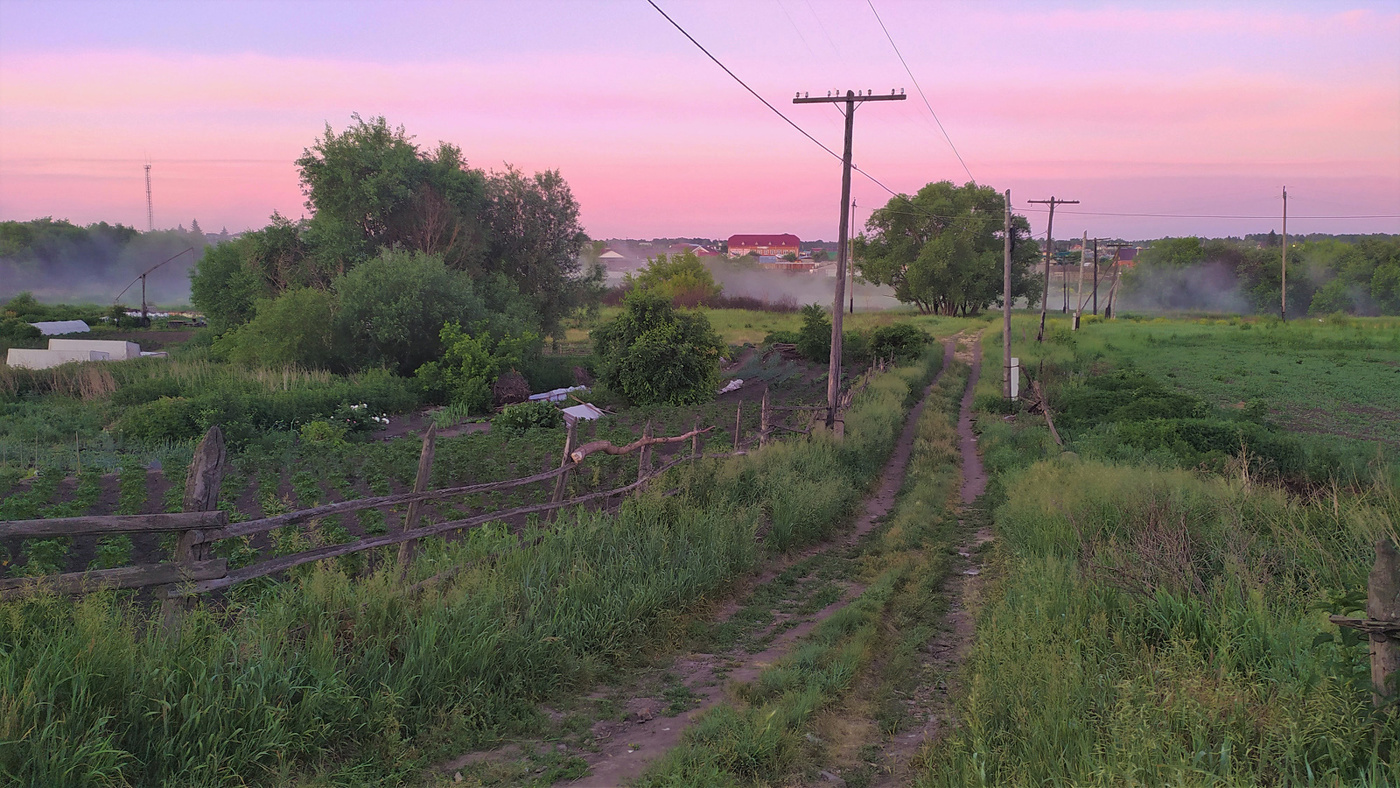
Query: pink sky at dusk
1132, 108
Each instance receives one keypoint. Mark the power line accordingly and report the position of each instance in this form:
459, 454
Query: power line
1217, 215
775, 110
908, 71
745, 85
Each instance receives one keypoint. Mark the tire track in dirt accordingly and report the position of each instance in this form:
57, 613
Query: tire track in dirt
626, 748
933, 702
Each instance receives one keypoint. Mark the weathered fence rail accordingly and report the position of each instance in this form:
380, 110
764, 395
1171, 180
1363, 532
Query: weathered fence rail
193, 571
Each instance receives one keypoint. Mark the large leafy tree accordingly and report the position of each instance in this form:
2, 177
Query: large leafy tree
372, 188
536, 240
942, 249
683, 278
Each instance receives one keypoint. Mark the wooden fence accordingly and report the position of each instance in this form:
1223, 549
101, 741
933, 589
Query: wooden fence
195, 571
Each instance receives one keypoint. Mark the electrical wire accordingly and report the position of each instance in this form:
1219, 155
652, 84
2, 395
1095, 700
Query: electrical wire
915, 79
1212, 215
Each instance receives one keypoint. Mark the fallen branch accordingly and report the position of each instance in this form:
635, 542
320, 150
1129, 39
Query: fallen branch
607, 447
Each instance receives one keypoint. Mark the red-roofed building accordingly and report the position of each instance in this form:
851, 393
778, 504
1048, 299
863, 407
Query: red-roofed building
1126, 256
762, 245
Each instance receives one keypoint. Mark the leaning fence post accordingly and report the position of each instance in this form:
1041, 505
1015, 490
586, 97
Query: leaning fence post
644, 455
202, 483
1383, 606
420, 484
738, 424
570, 442
697, 444
764, 417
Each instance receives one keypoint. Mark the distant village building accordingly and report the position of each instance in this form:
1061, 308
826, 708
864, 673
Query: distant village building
764, 245
1126, 256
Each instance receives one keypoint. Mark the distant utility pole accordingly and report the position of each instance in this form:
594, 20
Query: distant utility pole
1283, 270
1096, 276
150, 214
851, 100
1006, 302
1049, 252
1114, 246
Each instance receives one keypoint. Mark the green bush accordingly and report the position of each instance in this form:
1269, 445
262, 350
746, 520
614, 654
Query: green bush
814, 338
653, 354
528, 415
13, 329
898, 341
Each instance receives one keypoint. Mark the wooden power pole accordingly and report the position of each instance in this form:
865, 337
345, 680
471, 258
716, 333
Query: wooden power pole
1006, 302
1283, 270
852, 259
1049, 252
851, 100
1096, 276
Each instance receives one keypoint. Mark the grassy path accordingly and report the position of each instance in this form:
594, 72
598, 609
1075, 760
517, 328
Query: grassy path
774, 616
611, 736
817, 710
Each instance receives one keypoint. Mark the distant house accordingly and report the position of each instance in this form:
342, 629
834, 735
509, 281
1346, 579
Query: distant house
1126, 256
764, 245
697, 249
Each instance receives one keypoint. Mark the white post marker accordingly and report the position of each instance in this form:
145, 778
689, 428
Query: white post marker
1015, 378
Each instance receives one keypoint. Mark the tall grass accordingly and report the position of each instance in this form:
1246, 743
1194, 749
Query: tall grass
759, 736
365, 679
1152, 626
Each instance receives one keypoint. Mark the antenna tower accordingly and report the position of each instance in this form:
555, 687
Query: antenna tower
150, 214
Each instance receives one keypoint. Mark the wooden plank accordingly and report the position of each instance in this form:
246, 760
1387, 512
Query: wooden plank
420, 484
124, 577
1383, 605
283, 563
202, 485
117, 523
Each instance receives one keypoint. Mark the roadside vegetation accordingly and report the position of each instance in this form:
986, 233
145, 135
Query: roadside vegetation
1158, 612
369, 678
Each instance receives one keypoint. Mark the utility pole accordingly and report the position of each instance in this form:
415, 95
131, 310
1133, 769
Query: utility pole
1049, 252
1283, 270
851, 100
1096, 276
852, 258
150, 214
1006, 302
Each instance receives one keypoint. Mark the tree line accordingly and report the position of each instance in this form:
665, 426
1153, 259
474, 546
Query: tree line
1324, 276
406, 251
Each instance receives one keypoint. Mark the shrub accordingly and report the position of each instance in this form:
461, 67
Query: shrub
295, 328
13, 329
898, 341
393, 308
814, 338
653, 354
472, 362
527, 416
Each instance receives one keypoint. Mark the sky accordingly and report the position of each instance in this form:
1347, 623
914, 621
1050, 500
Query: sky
1160, 118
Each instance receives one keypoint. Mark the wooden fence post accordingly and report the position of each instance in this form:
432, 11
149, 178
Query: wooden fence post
570, 443
697, 441
202, 483
738, 424
644, 455
764, 420
420, 484
1383, 605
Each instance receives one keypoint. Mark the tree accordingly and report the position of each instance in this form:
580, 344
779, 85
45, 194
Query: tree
682, 278
941, 249
393, 308
536, 240
370, 188
819, 255
790, 257
653, 354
